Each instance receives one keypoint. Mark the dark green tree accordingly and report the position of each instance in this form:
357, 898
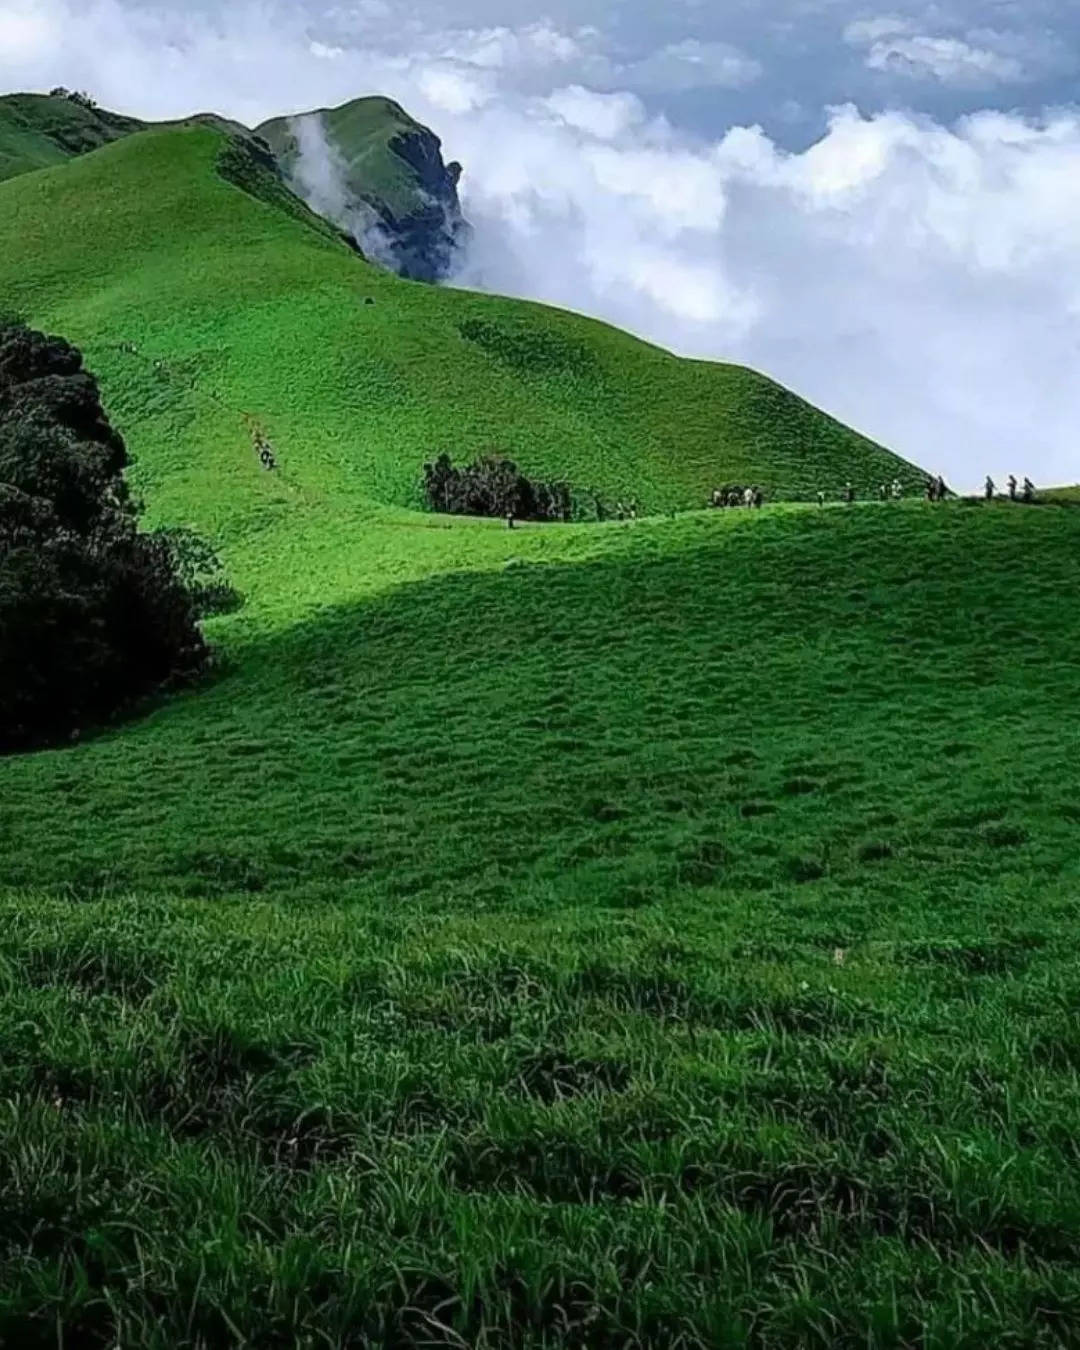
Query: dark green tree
93, 614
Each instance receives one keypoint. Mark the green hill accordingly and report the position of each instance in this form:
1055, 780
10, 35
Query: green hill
392, 168
652, 934
39, 130
357, 375
393, 181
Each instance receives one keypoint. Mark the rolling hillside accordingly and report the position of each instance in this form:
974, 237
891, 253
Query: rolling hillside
38, 131
651, 934
357, 375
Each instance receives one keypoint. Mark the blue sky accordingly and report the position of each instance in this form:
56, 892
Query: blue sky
877, 203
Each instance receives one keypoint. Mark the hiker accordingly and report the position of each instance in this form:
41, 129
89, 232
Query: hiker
1012, 487
849, 494
931, 490
989, 489
509, 520
633, 509
759, 498
942, 490
883, 493
599, 508
1029, 491
748, 497
620, 511
897, 490
821, 497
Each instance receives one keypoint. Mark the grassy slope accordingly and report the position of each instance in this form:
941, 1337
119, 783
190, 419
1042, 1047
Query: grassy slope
368, 128
245, 308
561, 937
38, 131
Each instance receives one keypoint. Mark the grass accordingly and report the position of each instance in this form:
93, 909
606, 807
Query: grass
250, 312
367, 132
614, 940
651, 934
38, 131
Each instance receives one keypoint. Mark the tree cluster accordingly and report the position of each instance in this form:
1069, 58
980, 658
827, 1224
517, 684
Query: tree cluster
74, 96
92, 612
493, 486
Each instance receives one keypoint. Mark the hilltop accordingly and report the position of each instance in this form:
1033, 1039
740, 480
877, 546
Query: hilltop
38, 130
388, 181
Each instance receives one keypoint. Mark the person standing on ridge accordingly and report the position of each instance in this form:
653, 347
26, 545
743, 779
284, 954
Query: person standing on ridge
989, 489
1012, 487
942, 490
1029, 491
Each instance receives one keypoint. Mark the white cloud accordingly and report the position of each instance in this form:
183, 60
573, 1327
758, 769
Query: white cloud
946, 59
980, 58
693, 64
26, 33
604, 116
451, 91
865, 32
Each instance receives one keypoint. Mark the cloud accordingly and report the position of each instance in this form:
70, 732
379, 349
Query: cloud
692, 64
978, 59
26, 33
946, 59
919, 279
320, 177
603, 116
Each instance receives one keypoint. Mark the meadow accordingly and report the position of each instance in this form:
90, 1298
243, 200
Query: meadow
639, 934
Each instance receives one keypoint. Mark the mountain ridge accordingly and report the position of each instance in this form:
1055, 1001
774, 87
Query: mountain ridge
397, 174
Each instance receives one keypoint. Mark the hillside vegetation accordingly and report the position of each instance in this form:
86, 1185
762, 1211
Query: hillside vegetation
249, 313
652, 934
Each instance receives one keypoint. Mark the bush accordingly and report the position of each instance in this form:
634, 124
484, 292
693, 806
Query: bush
93, 614
197, 565
493, 486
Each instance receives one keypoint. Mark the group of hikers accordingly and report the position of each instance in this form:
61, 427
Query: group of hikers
1015, 491
750, 497
264, 449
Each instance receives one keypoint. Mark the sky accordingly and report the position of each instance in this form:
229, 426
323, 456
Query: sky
876, 203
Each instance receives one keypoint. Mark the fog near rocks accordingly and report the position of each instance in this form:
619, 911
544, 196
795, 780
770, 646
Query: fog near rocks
319, 177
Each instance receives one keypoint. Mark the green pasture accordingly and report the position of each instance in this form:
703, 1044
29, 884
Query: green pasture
654, 934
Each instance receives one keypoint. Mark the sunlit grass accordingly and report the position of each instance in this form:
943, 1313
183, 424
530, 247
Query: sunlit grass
597, 936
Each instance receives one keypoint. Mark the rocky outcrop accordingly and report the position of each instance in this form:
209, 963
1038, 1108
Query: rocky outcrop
379, 175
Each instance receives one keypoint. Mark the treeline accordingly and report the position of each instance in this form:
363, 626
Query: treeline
94, 614
494, 486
